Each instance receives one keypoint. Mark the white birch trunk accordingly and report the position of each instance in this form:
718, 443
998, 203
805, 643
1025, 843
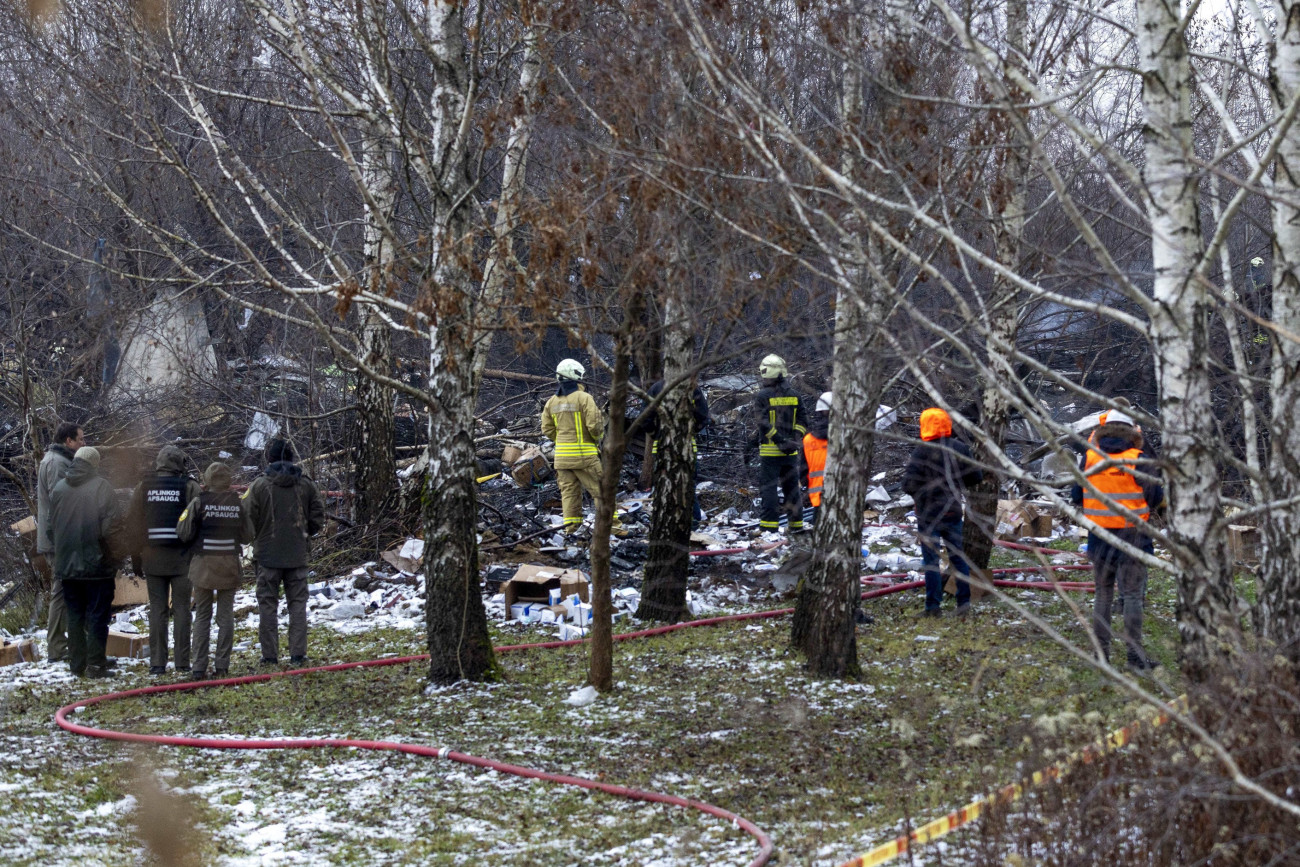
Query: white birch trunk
375, 466
456, 623
501, 263
664, 591
1180, 338
824, 627
1279, 601
1003, 309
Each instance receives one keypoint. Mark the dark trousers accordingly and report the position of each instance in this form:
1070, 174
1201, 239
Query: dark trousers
1119, 570
225, 600
178, 586
268, 609
778, 480
88, 601
947, 532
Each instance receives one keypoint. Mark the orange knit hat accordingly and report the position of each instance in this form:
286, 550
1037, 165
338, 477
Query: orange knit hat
935, 423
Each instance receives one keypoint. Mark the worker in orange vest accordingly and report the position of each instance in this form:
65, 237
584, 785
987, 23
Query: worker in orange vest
814, 451
1120, 494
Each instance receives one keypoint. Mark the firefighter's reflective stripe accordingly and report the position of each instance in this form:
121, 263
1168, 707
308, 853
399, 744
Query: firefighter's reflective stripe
1112, 476
582, 447
768, 448
695, 447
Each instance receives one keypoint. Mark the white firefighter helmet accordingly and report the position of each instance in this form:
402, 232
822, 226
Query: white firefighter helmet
1116, 416
824, 402
771, 367
570, 369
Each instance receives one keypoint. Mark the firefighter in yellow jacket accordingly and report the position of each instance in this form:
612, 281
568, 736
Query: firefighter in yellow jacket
573, 421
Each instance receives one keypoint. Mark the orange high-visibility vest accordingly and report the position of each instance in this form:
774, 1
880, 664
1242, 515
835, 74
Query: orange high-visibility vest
1118, 483
814, 453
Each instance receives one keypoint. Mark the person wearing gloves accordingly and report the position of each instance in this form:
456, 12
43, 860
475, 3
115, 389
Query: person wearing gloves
1120, 494
155, 507
814, 451
777, 438
576, 425
939, 468
84, 525
216, 525
284, 510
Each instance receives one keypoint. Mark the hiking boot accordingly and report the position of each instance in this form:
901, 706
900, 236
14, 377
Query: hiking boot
100, 671
861, 617
932, 612
298, 660
962, 611
269, 660
1142, 666
219, 673
198, 676
156, 670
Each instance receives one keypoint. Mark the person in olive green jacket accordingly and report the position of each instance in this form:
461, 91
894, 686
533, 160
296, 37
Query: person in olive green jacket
284, 510
575, 424
83, 524
155, 507
215, 524
58, 457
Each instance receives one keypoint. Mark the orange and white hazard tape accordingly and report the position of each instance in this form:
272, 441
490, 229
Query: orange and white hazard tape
1008, 794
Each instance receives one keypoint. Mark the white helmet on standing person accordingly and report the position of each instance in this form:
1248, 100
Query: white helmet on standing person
771, 367
571, 370
824, 402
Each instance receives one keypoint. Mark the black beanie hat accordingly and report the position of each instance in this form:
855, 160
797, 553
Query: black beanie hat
279, 450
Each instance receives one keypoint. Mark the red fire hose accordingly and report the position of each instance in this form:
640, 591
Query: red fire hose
218, 743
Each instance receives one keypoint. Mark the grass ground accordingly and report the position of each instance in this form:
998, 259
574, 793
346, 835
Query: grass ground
947, 709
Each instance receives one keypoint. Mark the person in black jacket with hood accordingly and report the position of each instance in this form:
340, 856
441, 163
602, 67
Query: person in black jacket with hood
284, 510
83, 524
936, 473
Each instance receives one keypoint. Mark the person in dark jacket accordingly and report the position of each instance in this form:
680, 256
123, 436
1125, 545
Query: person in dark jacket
151, 518
700, 417
83, 524
778, 438
1121, 494
284, 510
68, 437
940, 467
217, 524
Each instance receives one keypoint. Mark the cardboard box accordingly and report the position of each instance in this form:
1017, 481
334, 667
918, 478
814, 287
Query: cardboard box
976, 593
582, 615
130, 590
511, 452
25, 527
127, 645
569, 632
22, 650
406, 557
530, 468
1243, 543
534, 583
1025, 520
